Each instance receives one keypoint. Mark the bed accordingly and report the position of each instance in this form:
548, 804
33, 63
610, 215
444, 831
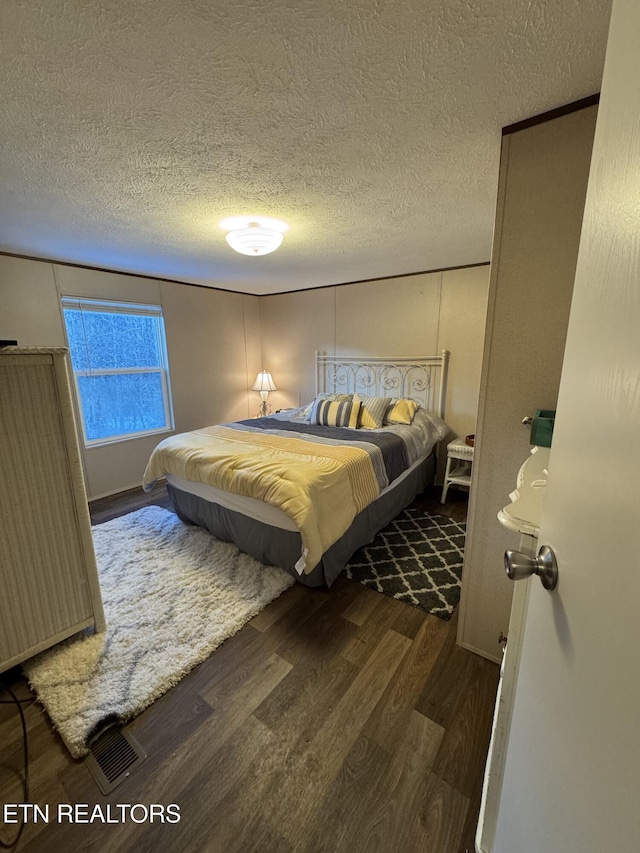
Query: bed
305, 488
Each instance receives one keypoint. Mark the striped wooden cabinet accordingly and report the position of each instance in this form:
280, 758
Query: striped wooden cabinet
49, 585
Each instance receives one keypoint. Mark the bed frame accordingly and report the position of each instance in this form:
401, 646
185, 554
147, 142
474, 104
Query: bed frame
423, 379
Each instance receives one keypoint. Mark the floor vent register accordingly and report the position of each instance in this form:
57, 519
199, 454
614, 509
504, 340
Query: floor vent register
113, 755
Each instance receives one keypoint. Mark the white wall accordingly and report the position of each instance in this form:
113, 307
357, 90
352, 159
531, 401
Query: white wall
212, 341
29, 305
218, 340
543, 180
410, 315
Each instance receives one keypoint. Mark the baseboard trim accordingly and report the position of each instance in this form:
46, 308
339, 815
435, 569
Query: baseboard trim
120, 491
479, 652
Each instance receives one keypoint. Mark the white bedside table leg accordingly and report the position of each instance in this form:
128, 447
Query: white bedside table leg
445, 487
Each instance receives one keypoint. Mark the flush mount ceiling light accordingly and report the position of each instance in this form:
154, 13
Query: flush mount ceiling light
254, 235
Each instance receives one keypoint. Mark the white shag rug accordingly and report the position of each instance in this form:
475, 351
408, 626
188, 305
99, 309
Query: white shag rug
172, 593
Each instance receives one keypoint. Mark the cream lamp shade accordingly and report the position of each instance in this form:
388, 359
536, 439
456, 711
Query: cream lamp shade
264, 383
254, 235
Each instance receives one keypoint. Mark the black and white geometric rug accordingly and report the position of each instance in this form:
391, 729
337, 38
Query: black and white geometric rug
417, 559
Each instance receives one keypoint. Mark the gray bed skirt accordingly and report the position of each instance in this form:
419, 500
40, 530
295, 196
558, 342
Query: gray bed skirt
276, 547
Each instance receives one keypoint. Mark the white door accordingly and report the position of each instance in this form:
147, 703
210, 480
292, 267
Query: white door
572, 771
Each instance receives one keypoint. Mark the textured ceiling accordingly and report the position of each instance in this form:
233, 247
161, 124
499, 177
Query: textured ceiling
129, 128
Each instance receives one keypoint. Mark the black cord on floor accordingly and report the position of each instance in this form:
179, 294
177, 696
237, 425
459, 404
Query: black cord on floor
25, 746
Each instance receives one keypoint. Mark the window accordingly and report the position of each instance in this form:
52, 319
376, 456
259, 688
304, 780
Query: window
119, 358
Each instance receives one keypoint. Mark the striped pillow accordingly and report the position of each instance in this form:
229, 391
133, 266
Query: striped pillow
372, 411
339, 413
322, 396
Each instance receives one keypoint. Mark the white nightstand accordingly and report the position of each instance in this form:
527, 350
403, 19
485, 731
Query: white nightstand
459, 463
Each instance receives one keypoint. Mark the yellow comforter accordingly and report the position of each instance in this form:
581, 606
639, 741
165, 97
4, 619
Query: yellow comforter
321, 487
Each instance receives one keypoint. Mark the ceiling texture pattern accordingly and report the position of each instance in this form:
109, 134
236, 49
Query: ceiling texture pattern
129, 128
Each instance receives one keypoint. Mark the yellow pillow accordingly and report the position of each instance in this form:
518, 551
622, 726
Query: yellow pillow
402, 412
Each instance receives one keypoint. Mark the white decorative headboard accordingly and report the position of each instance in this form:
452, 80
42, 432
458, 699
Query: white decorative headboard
422, 379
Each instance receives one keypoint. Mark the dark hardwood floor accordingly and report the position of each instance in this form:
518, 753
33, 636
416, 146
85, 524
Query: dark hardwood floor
336, 720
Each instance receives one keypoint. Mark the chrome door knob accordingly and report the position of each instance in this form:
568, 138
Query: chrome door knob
517, 566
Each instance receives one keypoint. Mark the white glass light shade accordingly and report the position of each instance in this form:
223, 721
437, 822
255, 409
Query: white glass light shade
254, 235
264, 382
254, 240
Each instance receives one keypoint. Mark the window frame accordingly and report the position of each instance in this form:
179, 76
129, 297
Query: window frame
103, 306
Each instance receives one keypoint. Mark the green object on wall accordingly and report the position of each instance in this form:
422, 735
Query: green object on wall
542, 427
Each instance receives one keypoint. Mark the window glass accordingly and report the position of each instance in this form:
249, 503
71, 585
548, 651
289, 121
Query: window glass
121, 404
118, 355
113, 340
